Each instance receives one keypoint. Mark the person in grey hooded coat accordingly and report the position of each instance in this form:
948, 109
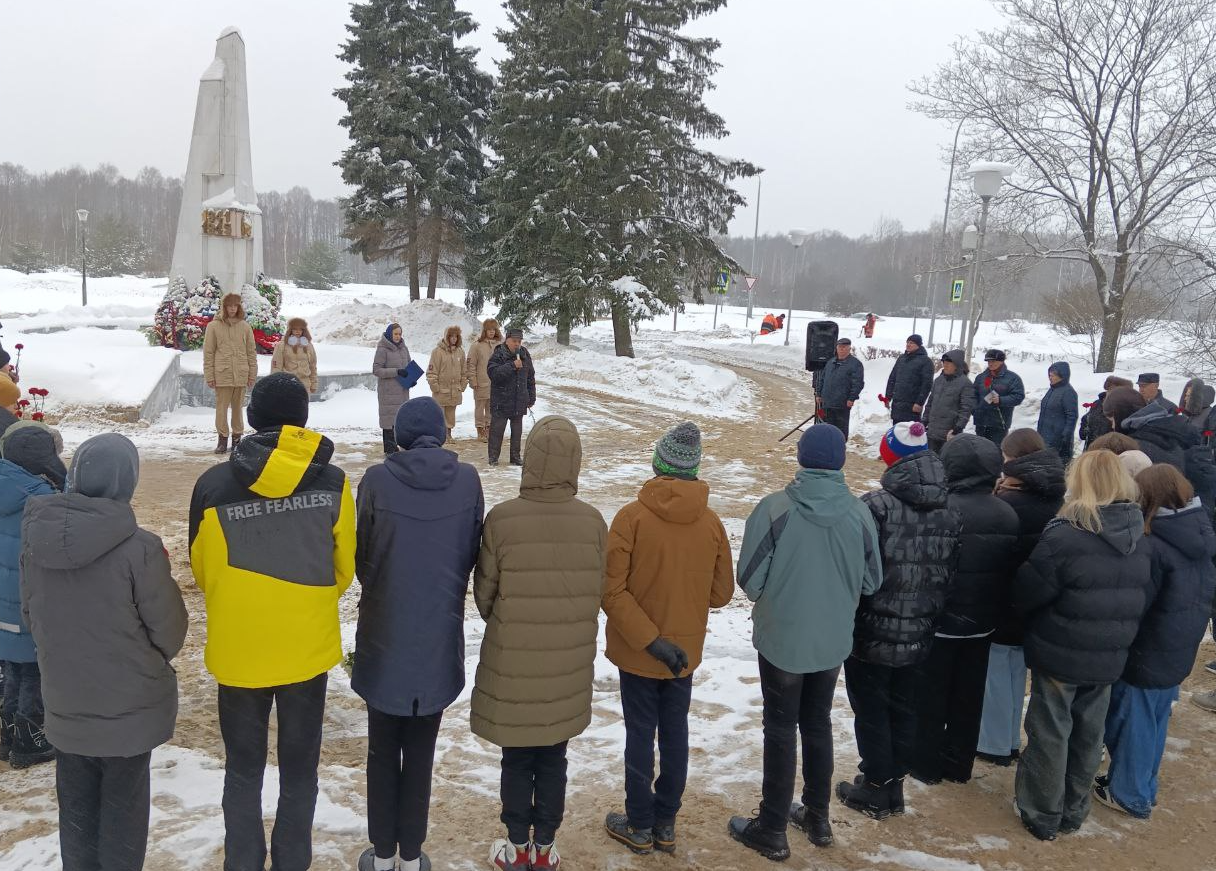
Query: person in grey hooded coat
950, 402
107, 618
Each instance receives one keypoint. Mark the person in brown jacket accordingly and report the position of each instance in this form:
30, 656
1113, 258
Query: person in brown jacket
230, 366
669, 562
446, 374
538, 583
295, 354
479, 378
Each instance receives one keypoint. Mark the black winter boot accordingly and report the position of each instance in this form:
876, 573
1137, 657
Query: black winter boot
813, 821
6, 738
30, 746
664, 837
640, 841
871, 799
895, 796
236, 440
221, 446
769, 844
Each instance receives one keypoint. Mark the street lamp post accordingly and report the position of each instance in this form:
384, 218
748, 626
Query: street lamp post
987, 178
82, 215
755, 238
945, 220
970, 237
916, 301
797, 237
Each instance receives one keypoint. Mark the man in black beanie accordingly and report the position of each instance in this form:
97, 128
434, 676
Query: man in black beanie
272, 547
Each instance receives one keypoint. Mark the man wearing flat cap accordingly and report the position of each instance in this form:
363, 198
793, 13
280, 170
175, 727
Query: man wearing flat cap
1149, 385
839, 386
512, 393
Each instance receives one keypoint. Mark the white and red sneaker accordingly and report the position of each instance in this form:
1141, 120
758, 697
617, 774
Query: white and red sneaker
509, 857
544, 858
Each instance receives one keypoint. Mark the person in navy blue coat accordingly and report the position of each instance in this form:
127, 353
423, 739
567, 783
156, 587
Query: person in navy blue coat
31, 467
1058, 411
420, 514
512, 393
1182, 545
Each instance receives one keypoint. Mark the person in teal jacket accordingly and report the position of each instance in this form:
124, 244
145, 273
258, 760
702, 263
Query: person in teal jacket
810, 552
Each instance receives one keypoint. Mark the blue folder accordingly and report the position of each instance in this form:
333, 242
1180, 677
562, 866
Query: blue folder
412, 376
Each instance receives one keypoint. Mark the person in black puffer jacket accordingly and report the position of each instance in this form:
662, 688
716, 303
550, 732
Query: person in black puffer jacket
1094, 422
910, 381
918, 535
1033, 485
950, 683
1182, 544
1084, 590
1170, 438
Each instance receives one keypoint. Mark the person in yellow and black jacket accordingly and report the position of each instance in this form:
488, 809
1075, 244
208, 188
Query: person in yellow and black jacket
272, 547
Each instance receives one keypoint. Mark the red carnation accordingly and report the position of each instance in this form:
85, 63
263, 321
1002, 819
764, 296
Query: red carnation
19, 346
23, 403
37, 415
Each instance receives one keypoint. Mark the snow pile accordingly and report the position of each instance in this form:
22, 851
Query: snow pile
422, 322
659, 379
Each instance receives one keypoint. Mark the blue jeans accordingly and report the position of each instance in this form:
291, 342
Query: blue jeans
22, 691
1136, 726
653, 705
1004, 698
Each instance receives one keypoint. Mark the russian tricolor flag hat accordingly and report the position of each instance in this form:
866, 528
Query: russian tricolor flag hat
903, 440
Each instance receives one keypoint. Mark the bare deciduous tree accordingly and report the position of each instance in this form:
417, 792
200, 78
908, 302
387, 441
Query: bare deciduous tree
1108, 110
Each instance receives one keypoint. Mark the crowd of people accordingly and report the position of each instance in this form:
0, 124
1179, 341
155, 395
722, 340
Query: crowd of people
979, 559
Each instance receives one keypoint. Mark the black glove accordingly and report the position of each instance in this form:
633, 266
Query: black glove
669, 654
403, 372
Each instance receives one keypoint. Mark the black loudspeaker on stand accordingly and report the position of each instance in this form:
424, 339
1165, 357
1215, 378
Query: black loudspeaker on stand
820, 348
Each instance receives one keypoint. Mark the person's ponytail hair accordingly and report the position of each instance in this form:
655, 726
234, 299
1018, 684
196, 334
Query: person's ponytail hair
1162, 486
1095, 479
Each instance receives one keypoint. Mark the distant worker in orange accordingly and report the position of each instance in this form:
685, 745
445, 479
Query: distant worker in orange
868, 329
769, 324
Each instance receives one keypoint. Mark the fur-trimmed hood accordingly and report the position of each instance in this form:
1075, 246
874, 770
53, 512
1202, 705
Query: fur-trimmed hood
240, 306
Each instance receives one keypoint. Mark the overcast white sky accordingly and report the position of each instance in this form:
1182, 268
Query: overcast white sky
814, 91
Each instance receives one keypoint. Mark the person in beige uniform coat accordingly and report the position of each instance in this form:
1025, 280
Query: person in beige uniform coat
479, 378
538, 583
230, 366
295, 354
446, 374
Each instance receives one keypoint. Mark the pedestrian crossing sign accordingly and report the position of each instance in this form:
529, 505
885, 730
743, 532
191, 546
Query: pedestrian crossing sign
721, 281
956, 291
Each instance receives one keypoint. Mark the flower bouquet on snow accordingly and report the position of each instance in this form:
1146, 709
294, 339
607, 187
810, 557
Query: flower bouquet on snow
33, 409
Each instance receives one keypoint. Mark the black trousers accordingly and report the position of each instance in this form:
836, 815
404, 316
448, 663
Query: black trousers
994, 434
533, 791
498, 428
949, 707
901, 412
884, 717
245, 725
655, 706
400, 757
839, 418
103, 811
802, 703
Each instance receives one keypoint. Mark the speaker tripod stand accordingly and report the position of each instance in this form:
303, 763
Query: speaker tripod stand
812, 420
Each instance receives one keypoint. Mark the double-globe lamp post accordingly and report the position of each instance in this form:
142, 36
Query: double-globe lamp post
82, 215
986, 179
797, 237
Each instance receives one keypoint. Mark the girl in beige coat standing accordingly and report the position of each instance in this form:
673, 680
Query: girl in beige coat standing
230, 366
446, 374
479, 378
295, 354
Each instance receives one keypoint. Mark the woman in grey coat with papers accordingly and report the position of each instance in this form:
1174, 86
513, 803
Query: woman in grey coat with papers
389, 367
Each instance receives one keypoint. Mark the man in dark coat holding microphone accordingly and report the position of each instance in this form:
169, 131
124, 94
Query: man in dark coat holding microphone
512, 393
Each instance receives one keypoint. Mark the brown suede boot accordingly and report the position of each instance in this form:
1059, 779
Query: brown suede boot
449, 438
483, 433
221, 447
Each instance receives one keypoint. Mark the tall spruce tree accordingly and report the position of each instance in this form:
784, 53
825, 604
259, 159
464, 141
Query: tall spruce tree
602, 203
416, 108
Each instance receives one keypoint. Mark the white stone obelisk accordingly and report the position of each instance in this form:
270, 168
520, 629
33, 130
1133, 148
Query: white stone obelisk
219, 231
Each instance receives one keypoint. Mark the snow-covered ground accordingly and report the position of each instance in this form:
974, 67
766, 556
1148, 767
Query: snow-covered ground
101, 360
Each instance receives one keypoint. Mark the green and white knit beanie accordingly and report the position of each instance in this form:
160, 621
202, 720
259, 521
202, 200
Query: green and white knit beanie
678, 453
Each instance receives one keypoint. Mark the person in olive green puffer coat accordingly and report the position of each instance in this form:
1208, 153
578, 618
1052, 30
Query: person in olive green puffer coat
538, 583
